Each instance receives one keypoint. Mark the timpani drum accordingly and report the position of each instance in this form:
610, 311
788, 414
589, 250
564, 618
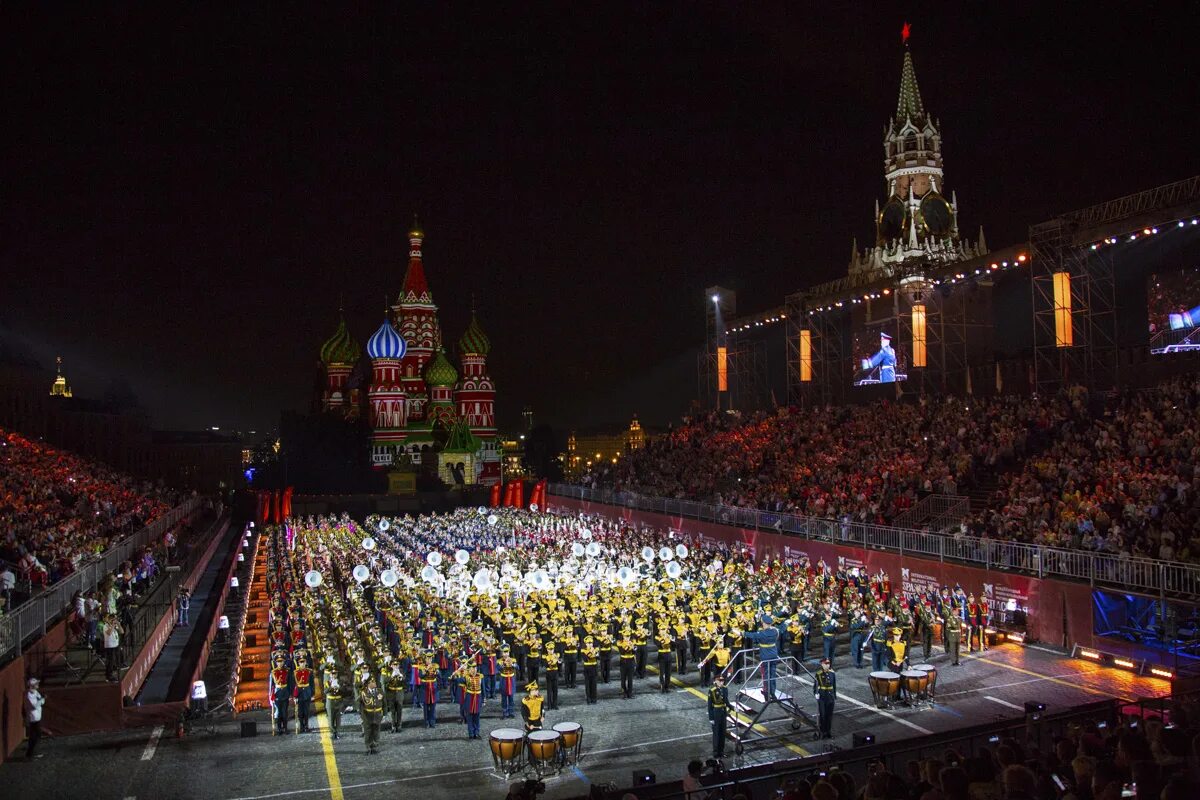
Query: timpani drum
931, 687
572, 741
885, 687
508, 750
915, 683
543, 750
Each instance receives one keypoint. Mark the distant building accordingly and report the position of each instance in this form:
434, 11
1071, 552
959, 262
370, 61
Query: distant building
585, 450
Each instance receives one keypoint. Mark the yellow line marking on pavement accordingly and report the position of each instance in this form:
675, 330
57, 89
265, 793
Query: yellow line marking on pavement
795, 748
331, 768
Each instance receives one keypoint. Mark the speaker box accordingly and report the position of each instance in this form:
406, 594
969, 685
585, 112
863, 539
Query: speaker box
642, 777
249, 728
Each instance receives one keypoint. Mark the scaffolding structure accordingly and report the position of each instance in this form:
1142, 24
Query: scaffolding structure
732, 371
1083, 353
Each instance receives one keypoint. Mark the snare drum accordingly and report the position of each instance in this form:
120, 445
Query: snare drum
572, 741
885, 687
507, 750
931, 686
543, 750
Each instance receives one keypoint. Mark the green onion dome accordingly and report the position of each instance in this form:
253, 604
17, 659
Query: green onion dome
440, 372
341, 347
474, 341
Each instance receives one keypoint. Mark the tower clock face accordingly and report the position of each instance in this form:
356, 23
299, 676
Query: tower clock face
935, 213
891, 221
920, 185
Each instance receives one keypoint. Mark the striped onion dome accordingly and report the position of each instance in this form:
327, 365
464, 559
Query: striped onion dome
386, 342
440, 372
474, 340
341, 347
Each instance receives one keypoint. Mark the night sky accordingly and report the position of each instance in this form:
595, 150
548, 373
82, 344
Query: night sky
188, 197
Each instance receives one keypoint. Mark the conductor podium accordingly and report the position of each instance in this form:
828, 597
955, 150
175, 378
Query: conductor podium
753, 704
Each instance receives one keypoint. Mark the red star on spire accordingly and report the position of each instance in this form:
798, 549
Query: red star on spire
905, 32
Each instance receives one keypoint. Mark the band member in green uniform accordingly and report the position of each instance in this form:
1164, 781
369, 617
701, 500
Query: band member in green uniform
825, 690
718, 710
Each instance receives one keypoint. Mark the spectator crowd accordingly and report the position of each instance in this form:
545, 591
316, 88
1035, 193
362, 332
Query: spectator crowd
1114, 474
57, 510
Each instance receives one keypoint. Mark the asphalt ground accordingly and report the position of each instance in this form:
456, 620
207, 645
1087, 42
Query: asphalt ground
659, 732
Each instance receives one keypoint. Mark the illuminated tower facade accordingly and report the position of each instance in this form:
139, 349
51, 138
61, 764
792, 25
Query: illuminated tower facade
417, 318
387, 395
476, 396
339, 355
919, 220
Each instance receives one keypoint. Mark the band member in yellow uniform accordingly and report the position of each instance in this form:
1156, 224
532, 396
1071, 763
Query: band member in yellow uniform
665, 657
626, 649
550, 659
717, 659
531, 708
591, 661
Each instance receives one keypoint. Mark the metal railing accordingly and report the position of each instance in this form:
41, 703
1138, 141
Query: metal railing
37, 614
937, 511
1133, 574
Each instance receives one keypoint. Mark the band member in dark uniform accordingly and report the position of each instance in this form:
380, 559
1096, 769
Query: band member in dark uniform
718, 709
281, 690
825, 690
591, 659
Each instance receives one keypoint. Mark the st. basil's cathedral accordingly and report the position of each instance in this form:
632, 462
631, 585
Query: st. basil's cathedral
420, 407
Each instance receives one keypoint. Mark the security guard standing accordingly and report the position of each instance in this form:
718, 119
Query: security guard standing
825, 690
953, 635
718, 710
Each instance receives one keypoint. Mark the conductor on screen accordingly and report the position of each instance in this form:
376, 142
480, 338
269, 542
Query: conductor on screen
885, 360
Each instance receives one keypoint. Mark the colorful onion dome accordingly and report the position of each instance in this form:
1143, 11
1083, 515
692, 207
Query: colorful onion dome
341, 347
440, 372
474, 340
386, 342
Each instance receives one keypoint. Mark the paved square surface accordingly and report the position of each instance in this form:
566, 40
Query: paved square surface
654, 731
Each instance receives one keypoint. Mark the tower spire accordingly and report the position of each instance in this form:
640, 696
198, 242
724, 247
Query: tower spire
909, 107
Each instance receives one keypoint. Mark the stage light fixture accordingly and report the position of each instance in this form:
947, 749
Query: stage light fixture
1013, 636
1162, 673
1092, 654
863, 739
643, 777
716, 298
1034, 709
1121, 662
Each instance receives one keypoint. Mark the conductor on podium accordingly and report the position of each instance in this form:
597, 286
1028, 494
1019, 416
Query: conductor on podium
767, 640
825, 690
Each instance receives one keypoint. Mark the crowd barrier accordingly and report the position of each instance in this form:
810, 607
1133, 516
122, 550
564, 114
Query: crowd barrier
37, 615
1144, 575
